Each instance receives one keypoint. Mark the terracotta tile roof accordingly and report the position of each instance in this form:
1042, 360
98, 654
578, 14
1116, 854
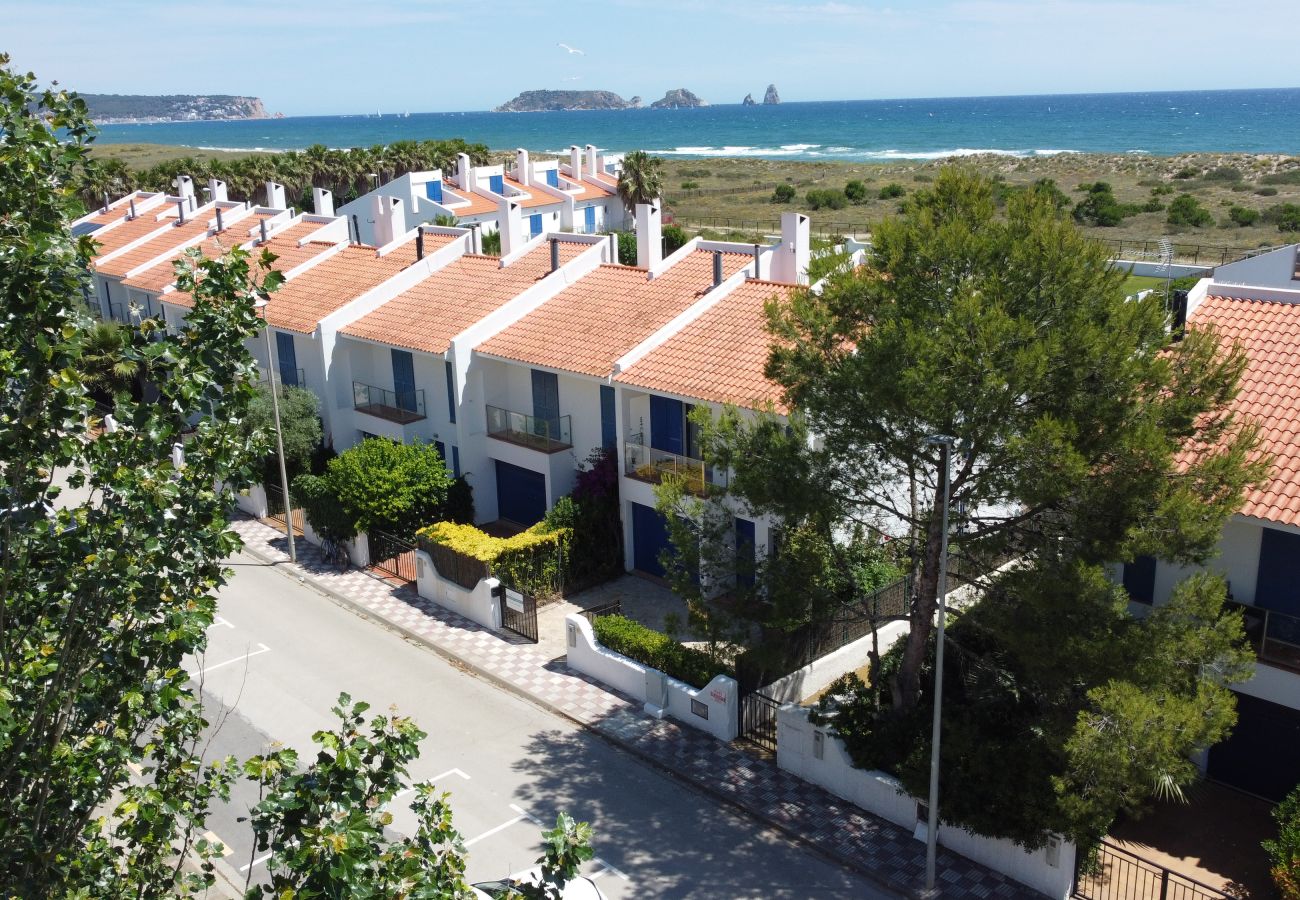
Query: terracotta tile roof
1269, 333
167, 239
427, 316
155, 278
284, 245
585, 190
537, 197
144, 223
588, 326
478, 204
301, 303
606, 178
720, 356
118, 210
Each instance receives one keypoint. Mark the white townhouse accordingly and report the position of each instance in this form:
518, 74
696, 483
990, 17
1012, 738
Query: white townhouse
1256, 303
425, 196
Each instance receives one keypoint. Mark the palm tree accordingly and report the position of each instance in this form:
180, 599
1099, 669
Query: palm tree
105, 363
642, 179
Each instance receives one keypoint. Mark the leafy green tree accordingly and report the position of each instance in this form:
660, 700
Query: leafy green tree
491, 242
856, 191
1048, 190
1186, 211
674, 238
784, 193
1100, 207
627, 248
300, 425
394, 487
1284, 852
892, 191
642, 179
826, 198
107, 368
1286, 216
1243, 216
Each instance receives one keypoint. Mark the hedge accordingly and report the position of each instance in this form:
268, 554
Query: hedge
531, 561
659, 651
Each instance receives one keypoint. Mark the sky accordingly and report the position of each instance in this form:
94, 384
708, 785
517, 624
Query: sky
344, 56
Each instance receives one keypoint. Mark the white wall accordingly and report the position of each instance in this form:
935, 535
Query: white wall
815, 755
719, 700
1275, 269
477, 605
821, 672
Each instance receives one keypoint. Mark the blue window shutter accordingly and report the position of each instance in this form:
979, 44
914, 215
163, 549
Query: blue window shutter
608, 432
1279, 572
497, 184
553, 177
589, 218
288, 358
546, 395
451, 391
442, 450
666, 425
535, 224
433, 190
404, 379
455, 461
745, 555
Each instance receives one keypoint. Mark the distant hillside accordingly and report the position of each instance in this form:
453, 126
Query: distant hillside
551, 101
110, 108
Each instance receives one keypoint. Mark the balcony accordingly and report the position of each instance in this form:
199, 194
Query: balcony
403, 408
285, 382
1274, 636
546, 435
648, 464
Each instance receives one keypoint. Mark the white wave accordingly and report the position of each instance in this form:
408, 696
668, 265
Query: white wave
800, 146
243, 149
959, 151
841, 150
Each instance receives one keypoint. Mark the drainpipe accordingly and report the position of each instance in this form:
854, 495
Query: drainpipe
180, 212
261, 224
717, 268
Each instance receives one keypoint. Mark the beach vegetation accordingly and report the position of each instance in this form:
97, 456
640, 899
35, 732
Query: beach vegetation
1186, 173
1185, 211
1243, 216
1287, 176
1286, 216
674, 238
1100, 207
490, 242
690, 185
1266, 191
856, 191
642, 179
826, 198
783, 193
892, 191
1223, 173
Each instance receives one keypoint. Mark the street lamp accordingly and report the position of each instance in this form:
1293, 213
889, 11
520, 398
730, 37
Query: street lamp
279, 437
944, 443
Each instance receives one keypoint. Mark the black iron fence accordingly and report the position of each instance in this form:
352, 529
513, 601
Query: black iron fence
275, 508
1121, 875
758, 720
609, 609
392, 555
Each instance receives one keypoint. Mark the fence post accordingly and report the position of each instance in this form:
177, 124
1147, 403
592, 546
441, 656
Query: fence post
1164, 883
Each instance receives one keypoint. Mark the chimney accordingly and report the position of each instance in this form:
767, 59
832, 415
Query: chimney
275, 195
790, 261
132, 208
464, 172
221, 226
218, 188
184, 187
613, 248
523, 172
758, 260
180, 212
261, 225
322, 201
387, 213
649, 236
717, 268
555, 254
106, 197
575, 161
419, 243
593, 166
511, 223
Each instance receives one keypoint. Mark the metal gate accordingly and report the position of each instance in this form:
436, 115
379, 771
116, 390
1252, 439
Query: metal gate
519, 613
1120, 875
392, 555
758, 720
275, 508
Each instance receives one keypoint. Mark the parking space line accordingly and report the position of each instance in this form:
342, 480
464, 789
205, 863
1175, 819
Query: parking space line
220, 622
435, 779
502, 827
257, 862
211, 837
608, 868
247, 656
527, 815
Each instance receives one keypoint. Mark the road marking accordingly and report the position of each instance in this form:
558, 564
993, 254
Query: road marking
247, 656
211, 836
257, 862
220, 622
608, 868
434, 779
527, 815
502, 827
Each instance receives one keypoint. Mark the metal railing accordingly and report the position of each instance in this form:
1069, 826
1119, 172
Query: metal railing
1121, 875
547, 435
299, 374
402, 407
649, 464
608, 609
1273, 635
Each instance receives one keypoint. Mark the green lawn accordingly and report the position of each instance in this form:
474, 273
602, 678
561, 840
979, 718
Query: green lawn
1135, 283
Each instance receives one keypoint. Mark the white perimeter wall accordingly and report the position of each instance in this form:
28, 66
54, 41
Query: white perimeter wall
821, 672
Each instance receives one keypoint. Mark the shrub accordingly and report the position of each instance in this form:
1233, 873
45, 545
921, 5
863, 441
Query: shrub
491, 243
1048, 190
1286, 216
856, 191
690, 185
1223, 173
827, 199
1186, 211
322, 508
530, 561
383, 484
784, 193
299, 424
1162, 189
1284, 853
1153, 205
595, 549
891, 191
1266, 191
1100, 206
1186, 173
696, 173
674, 238
659, 651
627, 248
923, 179
460, 502
1290, 176
1243, 215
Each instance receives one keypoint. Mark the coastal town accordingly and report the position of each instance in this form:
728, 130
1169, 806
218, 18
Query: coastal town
442, 519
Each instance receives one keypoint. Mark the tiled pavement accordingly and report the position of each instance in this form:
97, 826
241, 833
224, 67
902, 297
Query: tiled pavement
887, 853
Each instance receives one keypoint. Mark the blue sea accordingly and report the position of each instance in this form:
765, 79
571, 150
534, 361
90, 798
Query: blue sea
1157, 123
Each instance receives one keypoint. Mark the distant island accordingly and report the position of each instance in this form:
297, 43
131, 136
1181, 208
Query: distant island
114, 109
555, 101
771, 98
748, 101
679, 98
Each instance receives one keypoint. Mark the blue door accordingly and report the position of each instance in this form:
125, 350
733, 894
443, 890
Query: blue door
433, 190
589, 219
404, 379
288, 359
553, 177
649, 539
1276, 585
535, 224
521, 494
666, 425
546, 403
496, 184
608, 429
745, 557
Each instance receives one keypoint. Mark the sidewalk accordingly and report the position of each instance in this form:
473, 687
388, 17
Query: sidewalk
802, 811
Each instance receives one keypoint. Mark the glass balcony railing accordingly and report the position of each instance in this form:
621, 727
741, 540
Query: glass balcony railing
286, 378
402, 407
546, 435
1274, 636
648, 464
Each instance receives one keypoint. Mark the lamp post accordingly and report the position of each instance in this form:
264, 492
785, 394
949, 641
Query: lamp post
944, 443
279, 437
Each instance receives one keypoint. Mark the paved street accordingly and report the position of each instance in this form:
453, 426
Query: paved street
281, 653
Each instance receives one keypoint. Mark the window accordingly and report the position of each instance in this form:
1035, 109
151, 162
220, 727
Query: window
546, 402
404, 379
1140, 579
535, 224
288, 359
451, 391
589, 219
553, 177
497, 184
608, 430
433, 190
